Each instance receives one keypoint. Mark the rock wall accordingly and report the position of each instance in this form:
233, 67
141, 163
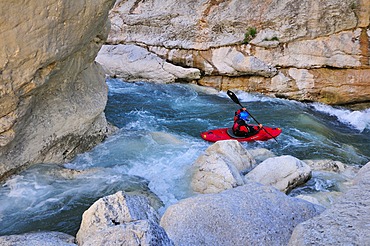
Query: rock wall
304, 50
52, 93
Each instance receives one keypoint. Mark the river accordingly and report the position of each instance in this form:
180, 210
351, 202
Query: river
157, 142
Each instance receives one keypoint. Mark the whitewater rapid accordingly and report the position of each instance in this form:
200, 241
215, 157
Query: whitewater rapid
157, 142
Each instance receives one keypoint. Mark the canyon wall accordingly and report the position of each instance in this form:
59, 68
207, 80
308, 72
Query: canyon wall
52, 93
305, 50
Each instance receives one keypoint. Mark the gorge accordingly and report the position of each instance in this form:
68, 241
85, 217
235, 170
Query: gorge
53, 95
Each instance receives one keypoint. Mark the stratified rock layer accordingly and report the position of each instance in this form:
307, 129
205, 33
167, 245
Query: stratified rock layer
52, 94
303, 50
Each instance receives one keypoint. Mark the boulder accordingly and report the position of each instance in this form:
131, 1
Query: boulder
261, 154
283, 172
344, 223
233, 151
121, 219
325, 199
252, 214
163, 138
38, 238
220, 167
135, 63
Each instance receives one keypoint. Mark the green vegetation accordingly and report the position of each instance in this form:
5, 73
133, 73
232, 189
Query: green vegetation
249, 35
271, 39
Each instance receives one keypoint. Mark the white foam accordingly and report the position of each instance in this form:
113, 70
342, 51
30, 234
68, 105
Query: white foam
358, 119
249, 97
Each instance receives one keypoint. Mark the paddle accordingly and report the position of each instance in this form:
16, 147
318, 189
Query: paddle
236, 100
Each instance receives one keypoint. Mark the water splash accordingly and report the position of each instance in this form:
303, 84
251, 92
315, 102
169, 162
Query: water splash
358, 119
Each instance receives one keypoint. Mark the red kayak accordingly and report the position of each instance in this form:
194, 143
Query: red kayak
227, 133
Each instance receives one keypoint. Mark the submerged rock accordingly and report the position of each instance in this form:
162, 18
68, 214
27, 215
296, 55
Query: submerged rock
325, 199
165, 138
252, 214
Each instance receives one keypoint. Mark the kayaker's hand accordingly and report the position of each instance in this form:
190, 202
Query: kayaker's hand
260, 126
244, 109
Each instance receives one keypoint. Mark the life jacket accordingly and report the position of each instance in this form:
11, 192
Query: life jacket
240, 128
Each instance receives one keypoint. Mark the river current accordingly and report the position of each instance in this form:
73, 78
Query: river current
157, 142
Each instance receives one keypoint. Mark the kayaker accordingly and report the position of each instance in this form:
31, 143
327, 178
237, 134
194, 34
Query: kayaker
241, 127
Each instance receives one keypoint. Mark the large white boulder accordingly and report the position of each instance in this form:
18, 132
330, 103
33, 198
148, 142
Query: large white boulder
121, 219
283, 172
220, 167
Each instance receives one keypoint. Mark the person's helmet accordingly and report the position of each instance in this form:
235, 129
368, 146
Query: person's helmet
243, 115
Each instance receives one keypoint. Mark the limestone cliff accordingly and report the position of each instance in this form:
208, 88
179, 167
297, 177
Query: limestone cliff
52, 93
302, 49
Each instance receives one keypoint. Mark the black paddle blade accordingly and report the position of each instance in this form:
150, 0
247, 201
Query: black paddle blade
233, 97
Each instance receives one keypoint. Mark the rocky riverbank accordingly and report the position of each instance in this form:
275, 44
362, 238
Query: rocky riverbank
245, 203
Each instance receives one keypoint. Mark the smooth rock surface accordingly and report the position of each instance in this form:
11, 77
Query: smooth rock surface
283, 172
252, 214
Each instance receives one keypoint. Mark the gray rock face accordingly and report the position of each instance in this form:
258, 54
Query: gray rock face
247, 215
121, 219
202, 24
52, 94
345, 223
37, 239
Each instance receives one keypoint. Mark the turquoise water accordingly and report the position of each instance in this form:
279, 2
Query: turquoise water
157, 142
